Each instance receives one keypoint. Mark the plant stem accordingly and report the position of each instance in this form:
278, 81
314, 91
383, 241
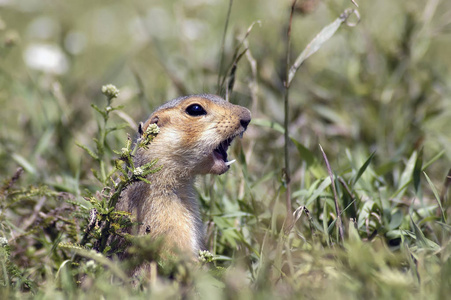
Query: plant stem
289, 217
221, 60
102, 143
334, 190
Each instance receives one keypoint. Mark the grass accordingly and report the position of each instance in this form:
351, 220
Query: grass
361, 129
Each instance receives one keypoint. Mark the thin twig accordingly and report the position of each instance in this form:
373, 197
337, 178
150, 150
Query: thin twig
337, 208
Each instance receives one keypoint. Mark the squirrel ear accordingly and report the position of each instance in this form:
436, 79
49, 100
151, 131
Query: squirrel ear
140, 128
154, 120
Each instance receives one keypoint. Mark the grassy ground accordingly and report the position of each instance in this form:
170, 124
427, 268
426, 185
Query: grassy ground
376, 97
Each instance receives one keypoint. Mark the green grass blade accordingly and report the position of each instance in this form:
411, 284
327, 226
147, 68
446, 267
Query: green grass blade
417, 171
304, 153
436, 195
23, 162
423, 242
326, 182
406, 176
363, 168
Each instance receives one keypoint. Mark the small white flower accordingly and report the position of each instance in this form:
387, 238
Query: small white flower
138, 171
152, 129
205, 256
125, 151
110, 91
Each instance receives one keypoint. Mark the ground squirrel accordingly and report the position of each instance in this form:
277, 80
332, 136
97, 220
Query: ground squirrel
195, 133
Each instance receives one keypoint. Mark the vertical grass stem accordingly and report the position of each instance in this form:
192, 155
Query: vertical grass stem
289, 217
337, 208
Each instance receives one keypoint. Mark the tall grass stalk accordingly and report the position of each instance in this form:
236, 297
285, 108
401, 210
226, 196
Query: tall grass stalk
287, 173
221, 56
290, 71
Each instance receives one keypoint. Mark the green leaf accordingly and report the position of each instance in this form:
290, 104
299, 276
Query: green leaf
326, 182
119, 107
144, 179
406, 176
90, 152
100, 147
118, 127
44, 141
353, 233
96, 175
104, 115
363, 168
24, 163
304, 153
423, 242
331, 226
445, 226
432, 160
396, 220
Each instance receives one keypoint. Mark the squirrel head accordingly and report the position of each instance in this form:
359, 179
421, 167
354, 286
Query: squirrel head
195, 133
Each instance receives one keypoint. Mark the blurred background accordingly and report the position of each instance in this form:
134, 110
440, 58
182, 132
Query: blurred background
381, 86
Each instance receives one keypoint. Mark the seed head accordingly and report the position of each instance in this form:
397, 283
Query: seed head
152, 129
110, 91
205, 256
138, 171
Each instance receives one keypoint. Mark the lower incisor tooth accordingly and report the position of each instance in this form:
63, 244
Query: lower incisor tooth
228, 163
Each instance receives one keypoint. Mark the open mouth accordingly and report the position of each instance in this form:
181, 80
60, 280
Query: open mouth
220, 162
220, 153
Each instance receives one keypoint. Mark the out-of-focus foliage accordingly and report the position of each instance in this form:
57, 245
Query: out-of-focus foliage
377, 97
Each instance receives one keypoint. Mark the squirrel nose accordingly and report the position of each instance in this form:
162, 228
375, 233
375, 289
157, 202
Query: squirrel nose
245, 122
245, 117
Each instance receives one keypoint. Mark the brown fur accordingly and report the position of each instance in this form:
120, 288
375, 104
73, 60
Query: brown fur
168, 207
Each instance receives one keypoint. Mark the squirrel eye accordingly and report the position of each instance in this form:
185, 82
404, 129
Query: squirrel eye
195, 110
